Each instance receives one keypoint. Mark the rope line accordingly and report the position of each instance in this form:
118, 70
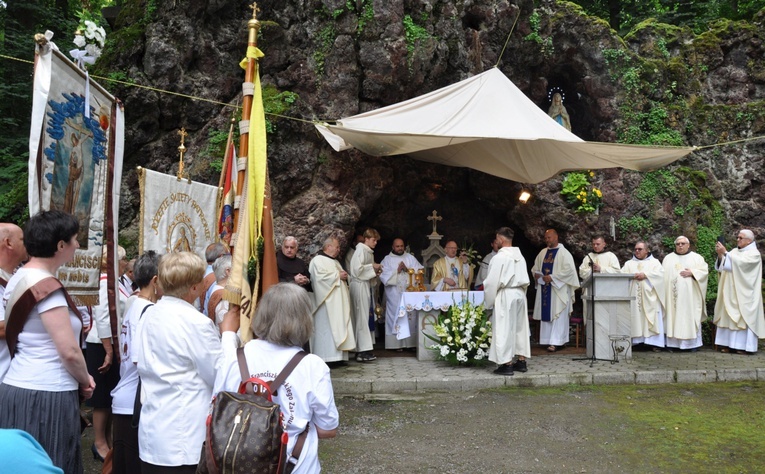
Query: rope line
733, 142
17, 59
512, 28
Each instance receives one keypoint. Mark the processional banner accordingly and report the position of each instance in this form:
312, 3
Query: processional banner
76, 146
177, 215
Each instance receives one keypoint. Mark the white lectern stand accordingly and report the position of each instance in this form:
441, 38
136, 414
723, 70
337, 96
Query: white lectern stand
606, 300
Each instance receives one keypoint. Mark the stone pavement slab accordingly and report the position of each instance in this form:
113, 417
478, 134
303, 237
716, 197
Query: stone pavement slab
404, 375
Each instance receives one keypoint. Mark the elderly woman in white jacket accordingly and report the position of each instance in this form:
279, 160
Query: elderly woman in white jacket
283, 323
178, 351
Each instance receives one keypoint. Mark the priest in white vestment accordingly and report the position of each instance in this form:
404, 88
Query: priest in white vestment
483, 267
364, 271
647, 288
451, 272
599, 260
554, 271
685, 282
333, 330
738, 310
395, 278
505, 291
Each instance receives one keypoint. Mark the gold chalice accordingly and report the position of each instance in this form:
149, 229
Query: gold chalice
411, 287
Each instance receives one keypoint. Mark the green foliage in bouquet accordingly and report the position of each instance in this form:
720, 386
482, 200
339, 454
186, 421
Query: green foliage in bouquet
462, 334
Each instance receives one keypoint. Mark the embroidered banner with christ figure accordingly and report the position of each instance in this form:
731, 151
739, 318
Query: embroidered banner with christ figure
176, 215
75, 162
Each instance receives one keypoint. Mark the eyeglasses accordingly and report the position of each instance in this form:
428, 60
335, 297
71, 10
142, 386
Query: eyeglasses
640, 250
681, 243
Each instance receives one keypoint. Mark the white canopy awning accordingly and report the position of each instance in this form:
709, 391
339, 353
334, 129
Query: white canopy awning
486, 123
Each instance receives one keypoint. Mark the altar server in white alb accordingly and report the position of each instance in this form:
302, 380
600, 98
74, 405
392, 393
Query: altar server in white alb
505, 291
395, 277
685, 278
599, 260
648, 290
364, 272
738, 311
556, 281
333, 336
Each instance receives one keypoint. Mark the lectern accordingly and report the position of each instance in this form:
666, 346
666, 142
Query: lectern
606, 300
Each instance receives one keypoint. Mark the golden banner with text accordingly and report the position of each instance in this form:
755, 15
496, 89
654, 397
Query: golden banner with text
176, 215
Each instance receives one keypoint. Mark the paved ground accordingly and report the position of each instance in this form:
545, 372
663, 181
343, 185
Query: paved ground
399, 398
407, 374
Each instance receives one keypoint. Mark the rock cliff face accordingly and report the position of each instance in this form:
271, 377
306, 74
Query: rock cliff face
661, 85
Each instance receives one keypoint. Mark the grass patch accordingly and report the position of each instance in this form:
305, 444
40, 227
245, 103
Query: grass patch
712, 427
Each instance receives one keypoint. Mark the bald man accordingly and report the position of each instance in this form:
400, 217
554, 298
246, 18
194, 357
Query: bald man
556, 279
12, 253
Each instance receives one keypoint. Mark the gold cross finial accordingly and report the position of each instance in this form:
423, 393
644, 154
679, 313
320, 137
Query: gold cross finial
181, 150
435, 218
255, 10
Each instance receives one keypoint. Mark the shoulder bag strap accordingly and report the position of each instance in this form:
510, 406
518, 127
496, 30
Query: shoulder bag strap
19, 314
244, 371
286, 371
208, 281
212, 303
137, 402
276, 383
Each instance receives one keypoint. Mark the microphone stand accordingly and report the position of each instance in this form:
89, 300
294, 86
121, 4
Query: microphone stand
592, 359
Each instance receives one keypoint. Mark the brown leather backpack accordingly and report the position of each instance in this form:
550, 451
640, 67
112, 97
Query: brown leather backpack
244, 428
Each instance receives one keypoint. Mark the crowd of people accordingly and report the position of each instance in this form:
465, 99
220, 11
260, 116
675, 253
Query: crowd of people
150, 386
669, 309
669, 296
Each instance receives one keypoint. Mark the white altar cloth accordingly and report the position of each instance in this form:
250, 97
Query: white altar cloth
420, 304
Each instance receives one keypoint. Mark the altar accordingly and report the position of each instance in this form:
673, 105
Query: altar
425, 306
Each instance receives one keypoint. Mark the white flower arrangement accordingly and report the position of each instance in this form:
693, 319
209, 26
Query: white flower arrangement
462, 334
92, 38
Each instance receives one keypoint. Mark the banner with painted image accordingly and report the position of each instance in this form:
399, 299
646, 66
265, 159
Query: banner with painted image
75, 162
176, 215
